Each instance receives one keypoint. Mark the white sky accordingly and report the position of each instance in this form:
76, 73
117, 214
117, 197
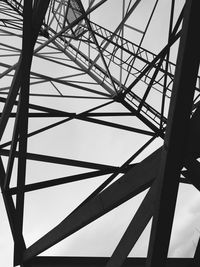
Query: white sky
95, 143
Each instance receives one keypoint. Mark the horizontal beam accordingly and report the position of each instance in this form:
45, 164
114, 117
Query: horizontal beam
57, 160
42, 108
64, 180
115, 125
100, 262
42, 115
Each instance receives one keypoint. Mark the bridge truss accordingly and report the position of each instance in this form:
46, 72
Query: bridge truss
81, 101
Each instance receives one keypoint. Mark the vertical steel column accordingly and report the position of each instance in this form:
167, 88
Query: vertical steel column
176, 135
27, 51
33, 15
10, 208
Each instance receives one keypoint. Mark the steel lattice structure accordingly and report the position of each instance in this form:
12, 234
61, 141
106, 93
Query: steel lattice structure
64, 72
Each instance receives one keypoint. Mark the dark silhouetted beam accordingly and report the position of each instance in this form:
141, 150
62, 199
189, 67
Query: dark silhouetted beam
135, 228
21, 122
176, 135
100, 262
133, 182
63, 180
62, 161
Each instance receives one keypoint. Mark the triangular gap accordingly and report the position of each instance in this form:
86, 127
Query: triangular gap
140, 88
112, 107
42, 171
157, 143
47, 50
130, 124
118, 176
81, 87
186, 226
44, 209
14, 200
5, 161
86, 4
141, 247
8, 132
1, 104
120, 130
100, 237
52, 53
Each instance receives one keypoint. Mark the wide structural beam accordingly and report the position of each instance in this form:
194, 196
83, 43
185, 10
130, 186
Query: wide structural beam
100, 262
176, 135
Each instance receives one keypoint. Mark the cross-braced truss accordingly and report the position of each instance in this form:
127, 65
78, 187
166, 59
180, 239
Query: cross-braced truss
83, 96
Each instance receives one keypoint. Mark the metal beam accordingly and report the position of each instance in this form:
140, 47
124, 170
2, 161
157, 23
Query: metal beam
176, 135
16, 82
33, 16
99, 262
62, 161
63, 180
22, 121
11, 211
115, 125
135, 228
134, 181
